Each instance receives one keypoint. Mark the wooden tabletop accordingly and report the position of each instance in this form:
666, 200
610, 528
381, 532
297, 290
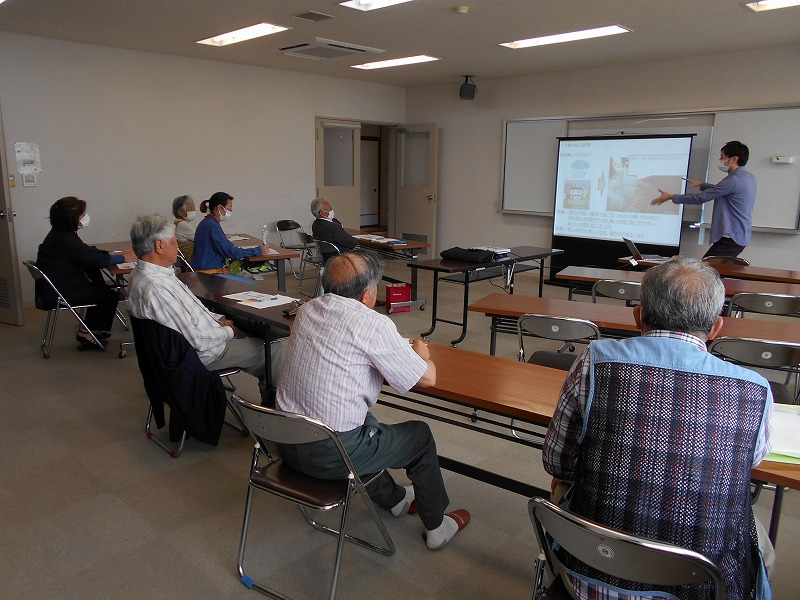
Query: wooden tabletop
409, 244
750, 272
213, 289
732, 286
506, 387
620, 318
280, 253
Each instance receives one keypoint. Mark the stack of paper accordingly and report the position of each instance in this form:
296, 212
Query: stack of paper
259, 300
784, 434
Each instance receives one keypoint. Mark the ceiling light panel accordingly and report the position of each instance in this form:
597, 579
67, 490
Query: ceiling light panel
371, 5
572, 36
771, 4
242, 35
395, 62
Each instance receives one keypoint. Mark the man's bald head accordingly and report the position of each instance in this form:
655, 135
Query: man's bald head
352, 273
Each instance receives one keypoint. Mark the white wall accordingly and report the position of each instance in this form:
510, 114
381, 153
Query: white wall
471, 132
129, 131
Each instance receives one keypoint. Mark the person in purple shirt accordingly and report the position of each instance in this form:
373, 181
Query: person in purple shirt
734, 197
211, 246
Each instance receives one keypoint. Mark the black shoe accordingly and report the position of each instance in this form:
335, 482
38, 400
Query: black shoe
101, 335
89, 344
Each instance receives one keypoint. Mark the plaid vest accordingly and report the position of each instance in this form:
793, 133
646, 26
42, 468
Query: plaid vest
666, 451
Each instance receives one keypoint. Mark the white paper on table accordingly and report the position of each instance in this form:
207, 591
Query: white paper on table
236, 238
259, 300
127, 265
784, 434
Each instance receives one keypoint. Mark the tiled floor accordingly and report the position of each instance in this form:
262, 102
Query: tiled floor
90, 509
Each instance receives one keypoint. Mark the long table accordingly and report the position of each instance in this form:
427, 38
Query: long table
278, 254
529, 393
750, 272
586, 275
505, 309
463, 272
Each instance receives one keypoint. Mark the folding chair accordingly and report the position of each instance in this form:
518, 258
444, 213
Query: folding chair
766, 304
311, 257
562, 329
288, 232
764, 354
612, 552
173, 374
629, 291
274, 426
52, 312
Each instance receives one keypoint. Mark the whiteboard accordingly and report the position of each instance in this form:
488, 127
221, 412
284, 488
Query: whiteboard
767, 133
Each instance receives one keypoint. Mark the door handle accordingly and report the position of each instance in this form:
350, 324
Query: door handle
429, 197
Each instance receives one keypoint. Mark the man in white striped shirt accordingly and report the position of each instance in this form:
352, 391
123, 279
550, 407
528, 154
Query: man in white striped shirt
340, 352
155, 293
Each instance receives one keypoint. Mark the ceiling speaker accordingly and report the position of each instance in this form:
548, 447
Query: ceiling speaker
467, 91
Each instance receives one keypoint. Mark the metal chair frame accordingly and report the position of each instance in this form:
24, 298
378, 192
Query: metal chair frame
615, 553
274, 426
52, 313
312, 257
630, 291
766, 304
288, 225
232, 407
562, 329
763, 354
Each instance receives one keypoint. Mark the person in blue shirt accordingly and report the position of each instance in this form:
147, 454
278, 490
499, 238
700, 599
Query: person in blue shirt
734, 197
211, 246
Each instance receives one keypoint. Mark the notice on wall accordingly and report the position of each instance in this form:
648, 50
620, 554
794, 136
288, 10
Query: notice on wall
28, 159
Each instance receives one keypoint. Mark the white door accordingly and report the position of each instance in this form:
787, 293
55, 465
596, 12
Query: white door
10, 291
416, 200
338, 168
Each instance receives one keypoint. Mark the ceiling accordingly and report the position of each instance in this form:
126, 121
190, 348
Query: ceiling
466, 44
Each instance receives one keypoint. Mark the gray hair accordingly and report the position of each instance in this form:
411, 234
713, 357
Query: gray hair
179, 204
318, 204
146, 230
352, 273
683, 295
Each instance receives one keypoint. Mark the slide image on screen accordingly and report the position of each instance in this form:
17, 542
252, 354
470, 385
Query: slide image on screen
604, 187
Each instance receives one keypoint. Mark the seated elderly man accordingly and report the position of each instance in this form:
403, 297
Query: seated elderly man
340, 352
328, 229
155, 293
656, 437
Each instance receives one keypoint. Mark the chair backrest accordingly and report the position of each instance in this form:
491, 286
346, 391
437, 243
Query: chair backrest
327, 249
563, 329
269, 424
629, 291
44, 299
769, 304
780, 356
289, 232
726, 260
618, 554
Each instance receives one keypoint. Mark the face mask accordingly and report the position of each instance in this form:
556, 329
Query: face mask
84, 222
190, 215
330, 215
722, 166
226, 216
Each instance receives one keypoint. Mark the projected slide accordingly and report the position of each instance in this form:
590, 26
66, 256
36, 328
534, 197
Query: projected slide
604, 187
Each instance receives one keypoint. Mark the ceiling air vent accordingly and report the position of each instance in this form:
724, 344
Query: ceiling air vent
322, 49
313, 16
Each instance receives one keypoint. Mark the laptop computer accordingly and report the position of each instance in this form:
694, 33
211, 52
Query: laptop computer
638, 255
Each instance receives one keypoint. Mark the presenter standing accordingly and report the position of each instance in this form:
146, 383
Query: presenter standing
734, 197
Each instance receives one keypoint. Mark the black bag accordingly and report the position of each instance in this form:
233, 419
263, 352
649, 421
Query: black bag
475, 256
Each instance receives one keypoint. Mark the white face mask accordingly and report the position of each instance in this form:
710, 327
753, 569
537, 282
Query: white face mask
722, 166
330, 214
84, 222
227, 214
190, 215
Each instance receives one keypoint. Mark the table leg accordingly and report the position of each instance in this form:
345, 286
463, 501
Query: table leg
541, 276
414, 277
465, 312
777, 504
493, 337
281, 264
435, 302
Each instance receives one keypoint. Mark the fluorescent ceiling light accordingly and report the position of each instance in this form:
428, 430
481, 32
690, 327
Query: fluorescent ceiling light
242, 35
568, 37
371, 4
395, 62
771, 4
